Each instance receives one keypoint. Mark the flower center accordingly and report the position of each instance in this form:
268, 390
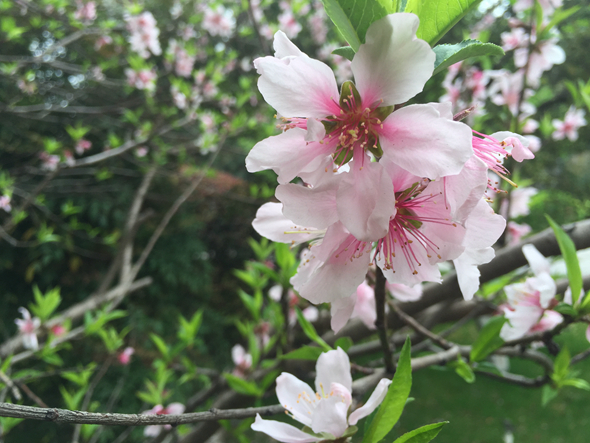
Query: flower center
404, 228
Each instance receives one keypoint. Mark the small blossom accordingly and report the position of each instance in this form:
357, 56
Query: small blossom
85, 11
219, 21
573, 120
5, 203
50, 162
517, 231
83, 145
144, 34
28, 329
242, 360
58, 330
326, 409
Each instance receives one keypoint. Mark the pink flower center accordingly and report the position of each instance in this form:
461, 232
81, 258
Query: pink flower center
404, 228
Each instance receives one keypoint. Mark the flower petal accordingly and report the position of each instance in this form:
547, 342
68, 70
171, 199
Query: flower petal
284, 47
374, 400
287, 154
422, 141
298, 86
393, 65
341, 311
282, 432
297, 397
330, 416
175, 408
272, 224
365, 201
537, 261
332, 367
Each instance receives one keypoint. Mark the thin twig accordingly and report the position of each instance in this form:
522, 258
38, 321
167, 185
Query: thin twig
410, 321
8, 382
82, 417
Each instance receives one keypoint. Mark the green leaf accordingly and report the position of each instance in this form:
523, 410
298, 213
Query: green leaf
161, 345
393, 405
548, 394
310, 331
566, 309
423, 434
352, 18
463, 370
447, 55
242, 386
437, 17
561, 366
558, 16
344, 342
345, 51
576, 383
488, 339
303, 353
568, 250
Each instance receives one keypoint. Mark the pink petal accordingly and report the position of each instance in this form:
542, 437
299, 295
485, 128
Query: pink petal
365, 201
341, 311
152, 430
365, 306
588, 333
405, 293
520, 321
393, 65
282, 432
466, 189
287, 154
310, 206
175, 408
297, 397
298, 86
372, 403
333, 367
423, 142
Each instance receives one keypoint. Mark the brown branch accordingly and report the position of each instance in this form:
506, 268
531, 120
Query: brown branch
82, 417
381, 321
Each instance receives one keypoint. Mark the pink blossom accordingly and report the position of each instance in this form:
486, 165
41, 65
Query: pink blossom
242, 360
85, 11
506, 90
83, 145
69, 157
171, 409
519, 202
144, 79
288, 24
573, 120
28, 329
361, 304
317, 26
544, 56
517, 231
219, 21
50, 162
416, 137
326, 409
144, 34
529, 302
404, 293
548, 6
516, 38
5, 203
58, 330
125, 356
141, 151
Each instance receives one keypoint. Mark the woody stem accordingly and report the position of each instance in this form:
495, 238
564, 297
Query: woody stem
381, 323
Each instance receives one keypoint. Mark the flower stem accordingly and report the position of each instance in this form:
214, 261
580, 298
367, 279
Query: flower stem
381, 323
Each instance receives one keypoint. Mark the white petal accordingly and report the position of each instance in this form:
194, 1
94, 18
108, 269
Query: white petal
282, 432
341, 311
333, 367
537, 261
330, 416
393, 64
284, 47
175, 408
297, 397
272, 224
374, 400
467, 272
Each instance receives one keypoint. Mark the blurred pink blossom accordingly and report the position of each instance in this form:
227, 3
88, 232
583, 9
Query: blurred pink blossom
573, 120
5, 203
219, 21
519, 202
85, 11
517, 231
125, 356
144, 79
101, 41
144, 34
242, 360
28, 329
58, 330
171, 409
50, 162
83, 145
289, 24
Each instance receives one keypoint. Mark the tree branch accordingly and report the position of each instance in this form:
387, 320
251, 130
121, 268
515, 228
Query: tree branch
381, 321
410, 321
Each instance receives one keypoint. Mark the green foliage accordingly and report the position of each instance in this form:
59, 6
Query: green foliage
463, 369
423, 434
568, 251
310, 331
243, 386
80, 377
45, 304
447, 55
304, 353
488, 339
437, 17
393, 405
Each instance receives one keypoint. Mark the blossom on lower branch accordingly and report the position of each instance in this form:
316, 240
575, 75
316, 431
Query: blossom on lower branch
325, 412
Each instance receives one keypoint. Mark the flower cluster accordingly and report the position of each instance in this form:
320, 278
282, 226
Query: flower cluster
144, 34
325, 411
382, 183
